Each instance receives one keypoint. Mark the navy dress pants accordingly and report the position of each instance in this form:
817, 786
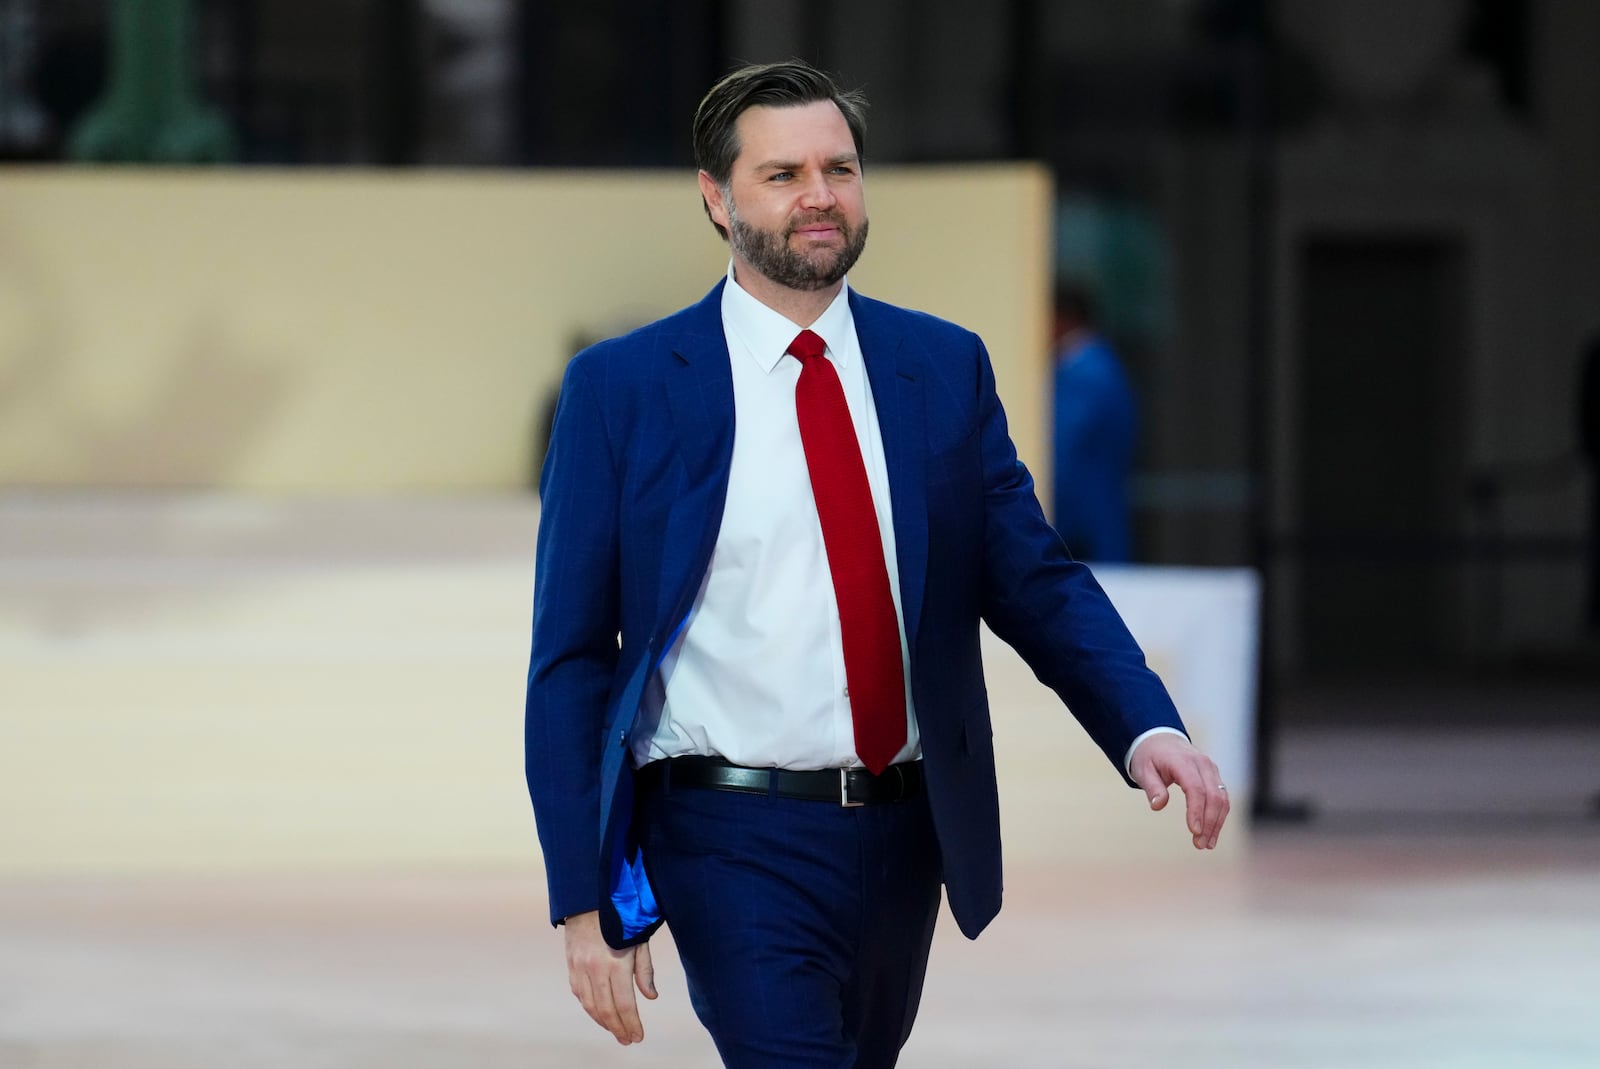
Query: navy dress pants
803, 926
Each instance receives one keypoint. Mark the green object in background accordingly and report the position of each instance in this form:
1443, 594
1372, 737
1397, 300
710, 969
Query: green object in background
152, 111
1118, 247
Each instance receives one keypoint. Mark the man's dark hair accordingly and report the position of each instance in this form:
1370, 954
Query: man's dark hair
772, 85
1075, 300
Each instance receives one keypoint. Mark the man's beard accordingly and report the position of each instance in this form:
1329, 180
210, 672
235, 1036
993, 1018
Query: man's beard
768, 251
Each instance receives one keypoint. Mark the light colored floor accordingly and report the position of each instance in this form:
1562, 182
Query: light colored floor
1324, 950
258, 809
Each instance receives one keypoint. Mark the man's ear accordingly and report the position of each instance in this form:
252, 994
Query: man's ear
711, 192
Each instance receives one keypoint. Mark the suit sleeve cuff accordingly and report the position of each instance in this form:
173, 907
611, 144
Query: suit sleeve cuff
1127, 759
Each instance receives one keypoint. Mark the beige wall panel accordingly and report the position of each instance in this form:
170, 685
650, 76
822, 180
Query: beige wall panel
973, 244
200, 682
360, 331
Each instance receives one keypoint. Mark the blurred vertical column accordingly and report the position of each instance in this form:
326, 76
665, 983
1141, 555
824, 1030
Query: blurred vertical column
24, 126
1254, 62
152, 112
468, 62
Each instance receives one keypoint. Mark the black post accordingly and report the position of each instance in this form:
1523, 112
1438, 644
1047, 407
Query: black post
1255, 88
397, 81
1025, 91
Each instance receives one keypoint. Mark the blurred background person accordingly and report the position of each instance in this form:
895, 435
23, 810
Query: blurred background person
1096, 424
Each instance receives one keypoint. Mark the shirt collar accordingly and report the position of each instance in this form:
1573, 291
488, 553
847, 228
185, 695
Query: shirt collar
767, 334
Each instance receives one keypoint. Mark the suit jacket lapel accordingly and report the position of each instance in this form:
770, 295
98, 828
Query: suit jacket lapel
895, 372
699, 383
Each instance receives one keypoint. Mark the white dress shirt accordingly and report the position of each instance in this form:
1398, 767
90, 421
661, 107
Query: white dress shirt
756, 675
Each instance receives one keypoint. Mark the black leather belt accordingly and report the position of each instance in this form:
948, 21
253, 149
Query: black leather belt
841, 786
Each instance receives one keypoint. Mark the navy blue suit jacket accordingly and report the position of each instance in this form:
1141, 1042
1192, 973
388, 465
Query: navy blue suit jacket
633, 489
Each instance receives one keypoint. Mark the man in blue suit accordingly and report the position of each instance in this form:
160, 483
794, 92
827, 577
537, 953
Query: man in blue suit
738, 723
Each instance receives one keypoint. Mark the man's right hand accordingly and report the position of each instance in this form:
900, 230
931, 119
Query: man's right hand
603, 978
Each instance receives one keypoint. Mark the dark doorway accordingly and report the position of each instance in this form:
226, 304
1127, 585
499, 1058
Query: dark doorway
1382, 475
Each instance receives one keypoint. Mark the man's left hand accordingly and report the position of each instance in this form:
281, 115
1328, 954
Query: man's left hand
1168, 760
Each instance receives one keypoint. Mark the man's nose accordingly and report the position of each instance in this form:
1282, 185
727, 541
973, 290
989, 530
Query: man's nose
817, 193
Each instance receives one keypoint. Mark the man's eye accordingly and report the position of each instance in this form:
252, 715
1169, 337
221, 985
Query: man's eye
782, 176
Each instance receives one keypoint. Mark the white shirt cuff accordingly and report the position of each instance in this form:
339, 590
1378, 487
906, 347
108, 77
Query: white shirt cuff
1127, 760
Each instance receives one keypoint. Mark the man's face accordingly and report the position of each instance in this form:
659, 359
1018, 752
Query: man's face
794, 207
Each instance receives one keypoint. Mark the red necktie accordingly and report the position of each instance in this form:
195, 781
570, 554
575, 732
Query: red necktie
867, 624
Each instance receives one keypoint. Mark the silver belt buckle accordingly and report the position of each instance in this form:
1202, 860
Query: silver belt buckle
844, 791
